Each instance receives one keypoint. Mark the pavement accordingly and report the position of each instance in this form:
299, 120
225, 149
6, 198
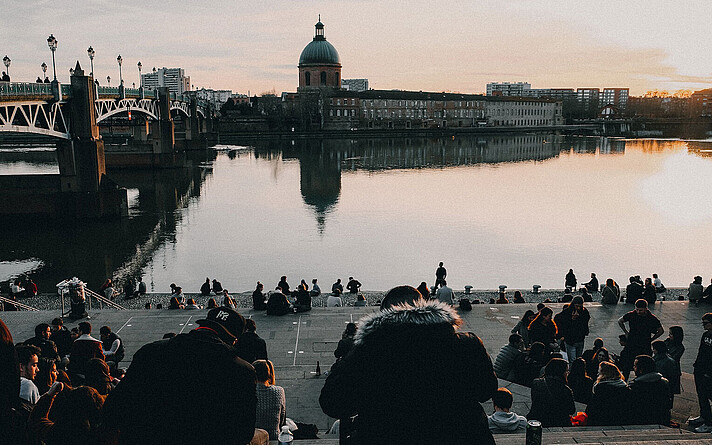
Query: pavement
296, 342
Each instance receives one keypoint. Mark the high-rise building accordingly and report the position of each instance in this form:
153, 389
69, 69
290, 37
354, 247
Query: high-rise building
618, 97
173, 78
519, 89
588, 96
355, 84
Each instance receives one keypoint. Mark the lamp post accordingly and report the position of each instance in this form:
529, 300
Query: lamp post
108, 80
71, 71
6, 60
139, 73
52, 43
91, 53
44, 70
121, 78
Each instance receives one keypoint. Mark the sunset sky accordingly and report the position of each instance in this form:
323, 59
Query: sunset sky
418, 45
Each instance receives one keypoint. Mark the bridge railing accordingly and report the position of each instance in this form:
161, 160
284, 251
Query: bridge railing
13, 89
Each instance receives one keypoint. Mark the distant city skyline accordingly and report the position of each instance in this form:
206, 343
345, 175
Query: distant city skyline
446, 46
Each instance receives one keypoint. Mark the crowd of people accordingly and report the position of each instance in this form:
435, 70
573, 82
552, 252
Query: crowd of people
61, 385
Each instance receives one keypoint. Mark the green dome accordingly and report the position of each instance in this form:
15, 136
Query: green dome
319, 52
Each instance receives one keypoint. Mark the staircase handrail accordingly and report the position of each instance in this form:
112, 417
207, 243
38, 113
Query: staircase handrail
17, 304
103, 299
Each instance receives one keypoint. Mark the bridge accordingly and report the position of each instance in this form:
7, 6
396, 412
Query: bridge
41, 108
71, 114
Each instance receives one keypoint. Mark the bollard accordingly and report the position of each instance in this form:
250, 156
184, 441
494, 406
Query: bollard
468, 289
502, 287
535, 289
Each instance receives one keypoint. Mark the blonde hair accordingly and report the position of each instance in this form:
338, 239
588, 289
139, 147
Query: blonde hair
264, 371
608, 371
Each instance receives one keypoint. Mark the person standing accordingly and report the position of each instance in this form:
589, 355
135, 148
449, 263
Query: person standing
199, 372
353, 285
644, 327
440, 275
407, 360
703, 378
573, 327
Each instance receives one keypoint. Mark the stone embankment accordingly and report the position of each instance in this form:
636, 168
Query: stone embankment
244, 299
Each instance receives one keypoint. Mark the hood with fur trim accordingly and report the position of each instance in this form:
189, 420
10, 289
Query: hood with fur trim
421, 313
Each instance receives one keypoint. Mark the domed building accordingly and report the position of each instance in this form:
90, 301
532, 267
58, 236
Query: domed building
319, 63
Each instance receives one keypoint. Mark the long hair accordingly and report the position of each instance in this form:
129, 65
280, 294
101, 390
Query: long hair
526, 315
540, 318
264, 371
677, 334
608, 371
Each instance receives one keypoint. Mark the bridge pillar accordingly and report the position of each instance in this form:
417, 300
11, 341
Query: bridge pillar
162, 130
86, 190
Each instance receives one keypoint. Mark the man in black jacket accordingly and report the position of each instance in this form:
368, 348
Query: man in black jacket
634, 291
573, 327
650, 394
42, 341
411, 377
182, 390
703, 378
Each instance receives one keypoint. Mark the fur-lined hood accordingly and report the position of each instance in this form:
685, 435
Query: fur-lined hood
421, 313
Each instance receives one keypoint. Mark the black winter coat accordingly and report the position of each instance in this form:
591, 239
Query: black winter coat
194, 375
610, 404
552, 402
651, 399
410, 372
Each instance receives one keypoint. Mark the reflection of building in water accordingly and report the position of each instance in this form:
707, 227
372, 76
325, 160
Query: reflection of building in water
321, 162
320, 180
377, 154
97, 250
703, 149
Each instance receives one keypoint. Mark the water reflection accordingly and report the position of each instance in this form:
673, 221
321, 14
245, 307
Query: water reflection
95, 250
514, 209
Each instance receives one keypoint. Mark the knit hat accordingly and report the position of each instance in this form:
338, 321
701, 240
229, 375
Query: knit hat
225, 320
577, 300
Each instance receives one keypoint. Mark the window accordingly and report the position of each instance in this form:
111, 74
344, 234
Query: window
307, 78
323, 78
337, 80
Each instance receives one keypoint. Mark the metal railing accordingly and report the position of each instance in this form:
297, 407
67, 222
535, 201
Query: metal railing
25, 89
102, 300
17, 304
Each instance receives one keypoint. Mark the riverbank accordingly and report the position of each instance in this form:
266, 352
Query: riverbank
244, 300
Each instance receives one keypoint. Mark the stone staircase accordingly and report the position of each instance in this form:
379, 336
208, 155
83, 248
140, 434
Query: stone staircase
590, 435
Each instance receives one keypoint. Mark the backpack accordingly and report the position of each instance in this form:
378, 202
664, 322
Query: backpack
465, 304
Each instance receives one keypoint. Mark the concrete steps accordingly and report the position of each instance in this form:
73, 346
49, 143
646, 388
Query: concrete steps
634, 434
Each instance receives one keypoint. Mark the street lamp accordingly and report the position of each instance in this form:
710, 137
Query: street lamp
108, 80
121, 78
91, 54
6, 60
52, 43
139, 72
71, 71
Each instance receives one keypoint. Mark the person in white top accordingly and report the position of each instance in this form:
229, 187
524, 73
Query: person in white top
334, 299
28, 357
445, 293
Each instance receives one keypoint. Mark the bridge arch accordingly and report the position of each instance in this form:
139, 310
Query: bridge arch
106, 108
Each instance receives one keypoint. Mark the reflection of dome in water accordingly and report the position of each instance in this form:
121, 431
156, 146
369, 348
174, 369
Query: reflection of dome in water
320, 184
